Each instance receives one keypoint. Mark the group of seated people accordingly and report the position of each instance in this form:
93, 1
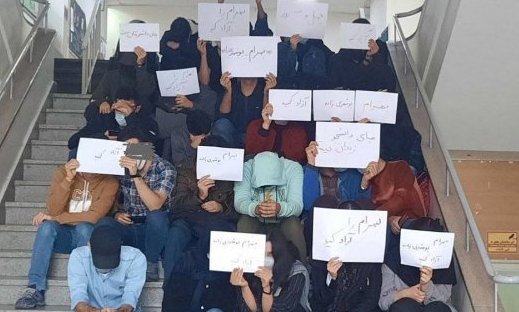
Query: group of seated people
121, 228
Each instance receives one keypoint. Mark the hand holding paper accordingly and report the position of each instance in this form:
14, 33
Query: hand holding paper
425, 248
220, 163
230, 250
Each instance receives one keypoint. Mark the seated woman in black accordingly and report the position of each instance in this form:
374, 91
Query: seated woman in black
338, 286
410, 289
282, 285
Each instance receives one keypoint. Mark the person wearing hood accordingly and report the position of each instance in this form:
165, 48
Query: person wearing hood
130, 72
411, 289
176, 48
282, 285
271, 196
76, 201
368, 69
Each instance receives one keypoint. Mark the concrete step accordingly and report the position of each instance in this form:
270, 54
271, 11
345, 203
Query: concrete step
39, 170
70, 101
49, 150
31, 191
21, 213
17, 262
57, 132
16, 237
65, 117
58, 292
58, 308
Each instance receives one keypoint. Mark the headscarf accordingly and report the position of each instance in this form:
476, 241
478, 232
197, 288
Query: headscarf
411, 275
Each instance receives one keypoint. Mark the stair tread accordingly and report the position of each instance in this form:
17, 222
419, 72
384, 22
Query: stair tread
62, 110
18, 204
31, 183
42, 162
71, 96
54, 308
17, 228
55, 281
49, 142
59, 127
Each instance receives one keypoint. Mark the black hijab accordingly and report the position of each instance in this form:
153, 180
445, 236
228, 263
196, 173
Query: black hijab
411, 275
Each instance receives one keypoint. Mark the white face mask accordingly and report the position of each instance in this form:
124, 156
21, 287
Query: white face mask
269, 262
120, 118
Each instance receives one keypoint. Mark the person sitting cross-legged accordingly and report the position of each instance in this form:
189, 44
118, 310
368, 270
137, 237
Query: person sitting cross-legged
76, 201
105, 276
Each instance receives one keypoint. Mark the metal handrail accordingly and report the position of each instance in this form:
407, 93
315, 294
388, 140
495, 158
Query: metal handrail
409, 14
91, 47
27, 45
451, 170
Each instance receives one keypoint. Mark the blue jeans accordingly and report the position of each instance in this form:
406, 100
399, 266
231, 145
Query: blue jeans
149, 237
54, 237
225, 128
179, 236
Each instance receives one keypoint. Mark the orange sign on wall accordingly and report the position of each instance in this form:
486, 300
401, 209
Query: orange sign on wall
502, 242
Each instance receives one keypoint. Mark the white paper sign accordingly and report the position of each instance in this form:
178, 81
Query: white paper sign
230, 250
376, 106
178, 82
333, 103
146, 36
217, 20
346, 233
100, 156
425, 248
291, 104
224, 164
356, 36
347, 145
250, 56
308, 19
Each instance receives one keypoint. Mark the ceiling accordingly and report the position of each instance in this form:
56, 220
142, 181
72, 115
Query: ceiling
342, 6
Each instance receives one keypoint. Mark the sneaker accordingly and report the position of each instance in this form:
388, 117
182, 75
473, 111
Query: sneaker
152, 272
30, 299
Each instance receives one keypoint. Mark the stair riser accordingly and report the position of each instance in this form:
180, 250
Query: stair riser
56, 135
59, 295
20, 215
66, 103
31, 193
65, 119
38, 172
16, 240
20, 266
49, 152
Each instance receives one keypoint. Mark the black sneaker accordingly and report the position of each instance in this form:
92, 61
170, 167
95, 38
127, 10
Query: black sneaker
30, 299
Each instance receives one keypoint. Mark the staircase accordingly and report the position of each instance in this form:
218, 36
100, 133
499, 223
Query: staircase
16, 237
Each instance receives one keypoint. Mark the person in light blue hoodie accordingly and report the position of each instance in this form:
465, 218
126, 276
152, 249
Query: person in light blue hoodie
271, 195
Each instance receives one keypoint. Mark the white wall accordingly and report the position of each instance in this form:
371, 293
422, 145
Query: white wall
164, 15
475, 100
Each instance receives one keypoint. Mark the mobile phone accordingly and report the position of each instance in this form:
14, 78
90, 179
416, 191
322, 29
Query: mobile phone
113, 132
138, 219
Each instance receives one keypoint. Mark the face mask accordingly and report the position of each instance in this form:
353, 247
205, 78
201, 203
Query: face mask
141, 163
269, 262
120, 118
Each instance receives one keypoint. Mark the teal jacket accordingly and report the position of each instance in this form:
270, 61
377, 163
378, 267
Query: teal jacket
268, 176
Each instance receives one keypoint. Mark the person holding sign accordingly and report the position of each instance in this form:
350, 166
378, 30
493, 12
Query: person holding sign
341, 286
199, 207
147, 190
75, 203
394, 189
270, 196
368, 69
286, 138
283, 284
242, 102
410, 289
176, 47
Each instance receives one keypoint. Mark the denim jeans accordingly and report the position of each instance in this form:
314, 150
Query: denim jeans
225, 128
54, 237
149, 237
179, 236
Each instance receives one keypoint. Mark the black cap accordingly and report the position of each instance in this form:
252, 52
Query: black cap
105, 244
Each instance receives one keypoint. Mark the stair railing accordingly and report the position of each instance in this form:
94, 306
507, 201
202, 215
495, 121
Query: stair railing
451, 173
27, 47
91, 46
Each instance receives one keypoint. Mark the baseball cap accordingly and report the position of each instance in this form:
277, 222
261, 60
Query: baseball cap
105, 244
